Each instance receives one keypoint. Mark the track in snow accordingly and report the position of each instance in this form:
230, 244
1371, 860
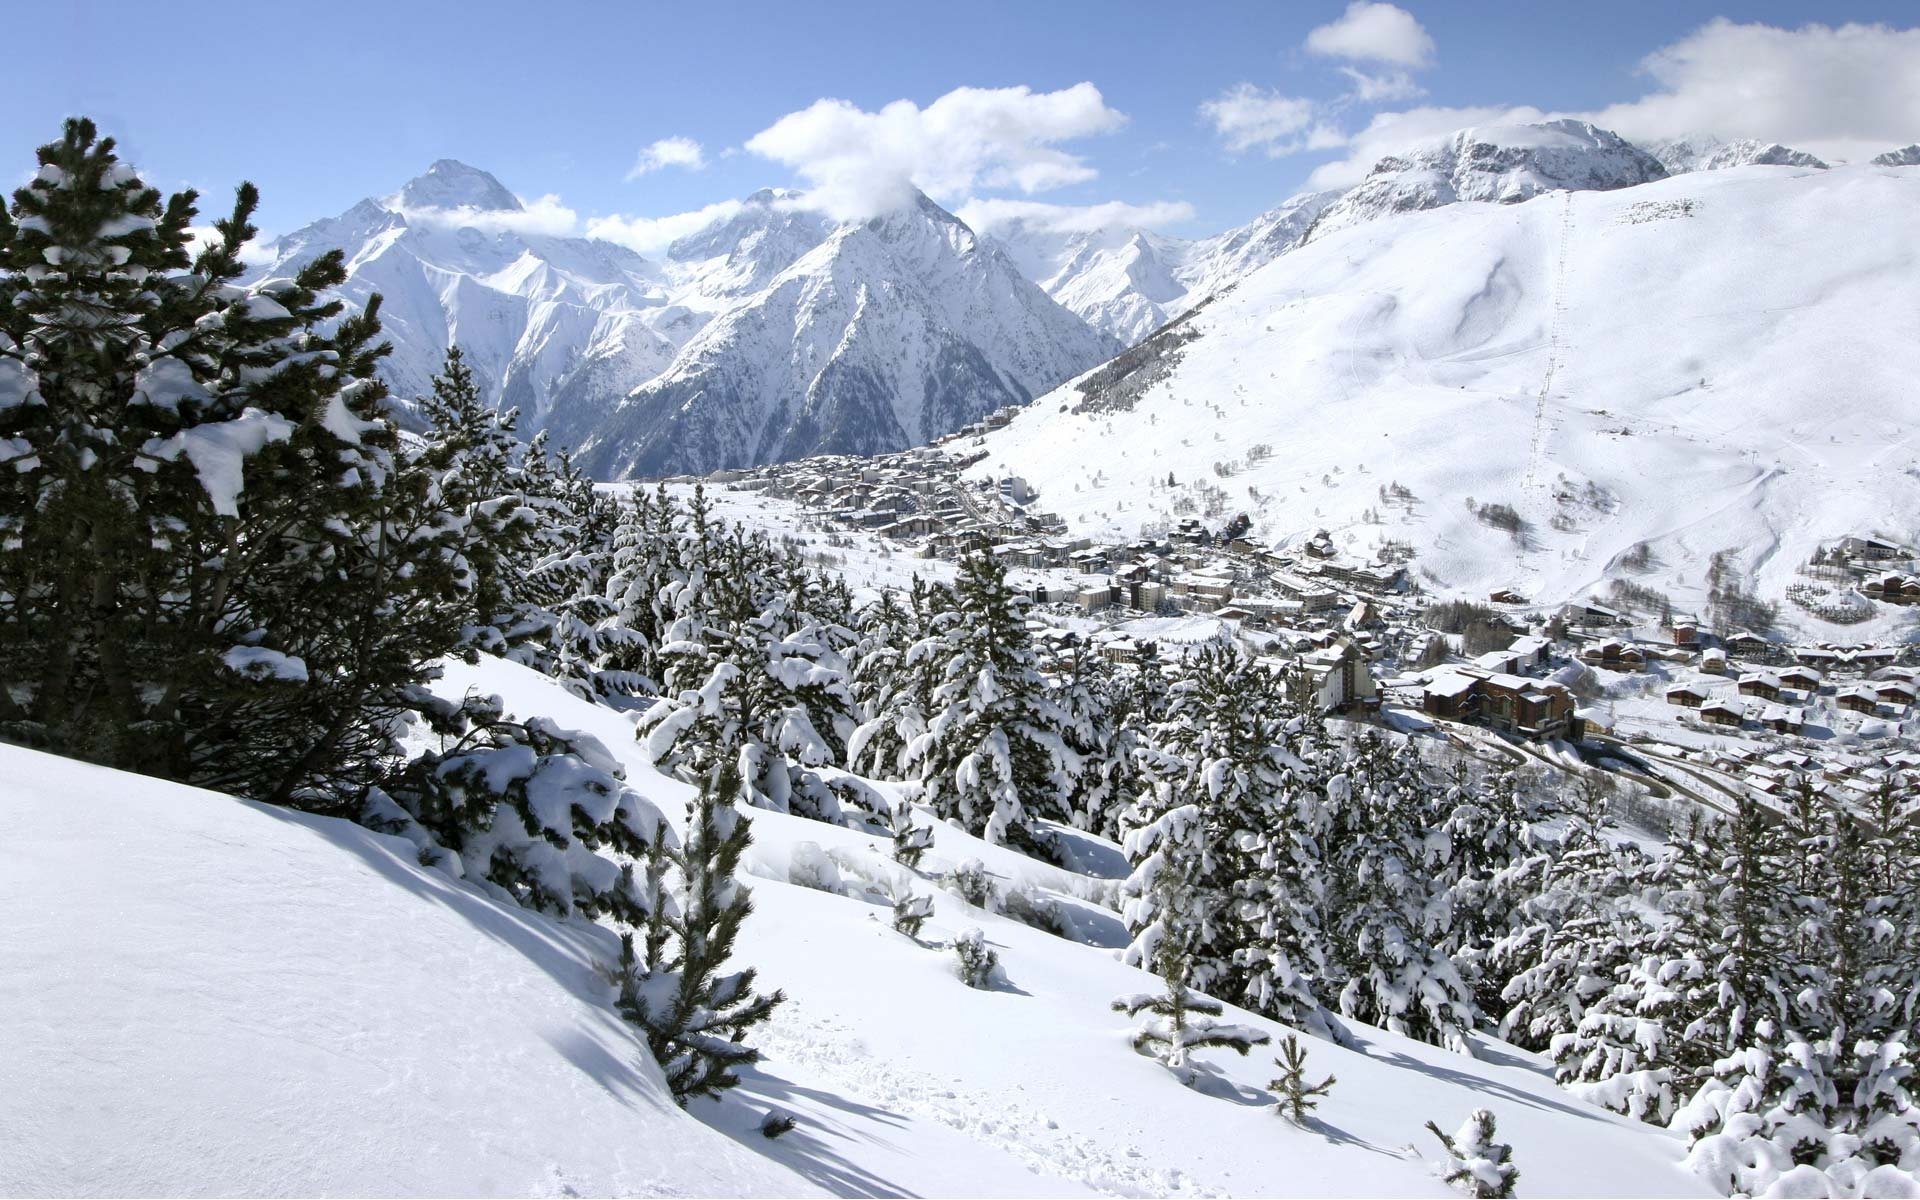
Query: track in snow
1536, 452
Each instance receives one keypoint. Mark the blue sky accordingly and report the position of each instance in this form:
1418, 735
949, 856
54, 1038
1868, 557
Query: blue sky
1203, 114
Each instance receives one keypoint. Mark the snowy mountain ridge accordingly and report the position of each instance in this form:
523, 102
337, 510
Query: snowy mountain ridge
1646, 375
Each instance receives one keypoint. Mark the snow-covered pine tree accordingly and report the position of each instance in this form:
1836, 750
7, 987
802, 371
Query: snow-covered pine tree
1394, 970
752, 678
1476, 1164
696, 1014
1486, 859
888, 694
1102, 732
217, 566
979, 963
1574, 931
992, 756
535, 812
1179, 1020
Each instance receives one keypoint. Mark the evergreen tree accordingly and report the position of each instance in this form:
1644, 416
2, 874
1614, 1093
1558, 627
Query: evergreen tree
1179, 1020
696, 1013
992, 754
1298, 1097
1476, 1164
1395, 973
214, 563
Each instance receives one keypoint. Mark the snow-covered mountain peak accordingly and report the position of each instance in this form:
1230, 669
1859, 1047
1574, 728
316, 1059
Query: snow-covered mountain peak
1503, 164
451, 184
1705, 152
1905, 156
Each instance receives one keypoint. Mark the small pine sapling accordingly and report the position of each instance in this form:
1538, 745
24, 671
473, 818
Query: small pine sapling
910, 912
971, 883
978, 961
1298, 1098
1476, 1164
1181, 1021
910, 841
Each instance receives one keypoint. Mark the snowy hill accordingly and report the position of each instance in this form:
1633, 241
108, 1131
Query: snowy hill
232, 999
269, 1003
1505, 164
1905, 156
891, 332
1698, 363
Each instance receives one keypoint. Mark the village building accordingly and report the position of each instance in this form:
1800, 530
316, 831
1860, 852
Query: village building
1528, 708
1761, 684
1687, 695
1859, 698
1614, 655
1723, 712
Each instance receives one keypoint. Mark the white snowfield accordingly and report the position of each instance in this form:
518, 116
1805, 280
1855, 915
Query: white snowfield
1717, 361
205, 996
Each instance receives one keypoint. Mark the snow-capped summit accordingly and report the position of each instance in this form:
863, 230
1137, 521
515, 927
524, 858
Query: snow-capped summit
1905, 156
1500, 163
1704, 152
890, 332
741, 253
449, 184
1128, 282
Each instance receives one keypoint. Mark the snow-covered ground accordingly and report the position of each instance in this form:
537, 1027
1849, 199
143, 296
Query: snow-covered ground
203, 995
1701, 363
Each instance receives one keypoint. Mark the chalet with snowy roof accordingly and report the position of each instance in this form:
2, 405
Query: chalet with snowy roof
1804, 679
1505, 596
1685, 633
1614, 655
1531, 651
1723, 712
1894, 691
1687, 695
1859, 698
1747, 644
1529, 708
1782, 718
1713, 660
1762, 684
1893, 589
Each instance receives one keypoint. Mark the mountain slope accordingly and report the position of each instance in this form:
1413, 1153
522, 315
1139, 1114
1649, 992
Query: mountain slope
200, 995
1699, 363
891, 332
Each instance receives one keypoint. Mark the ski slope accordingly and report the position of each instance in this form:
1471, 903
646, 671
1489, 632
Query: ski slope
200, 995
1710, 362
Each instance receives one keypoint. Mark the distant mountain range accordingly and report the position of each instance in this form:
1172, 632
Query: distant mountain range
775, 333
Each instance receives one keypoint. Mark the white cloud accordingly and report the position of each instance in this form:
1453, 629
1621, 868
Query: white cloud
1247, 117
1841, 93
1383, 88
861, 163
650, 235
669, 152
252, 254
545, 216
1374, 32
988, 214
